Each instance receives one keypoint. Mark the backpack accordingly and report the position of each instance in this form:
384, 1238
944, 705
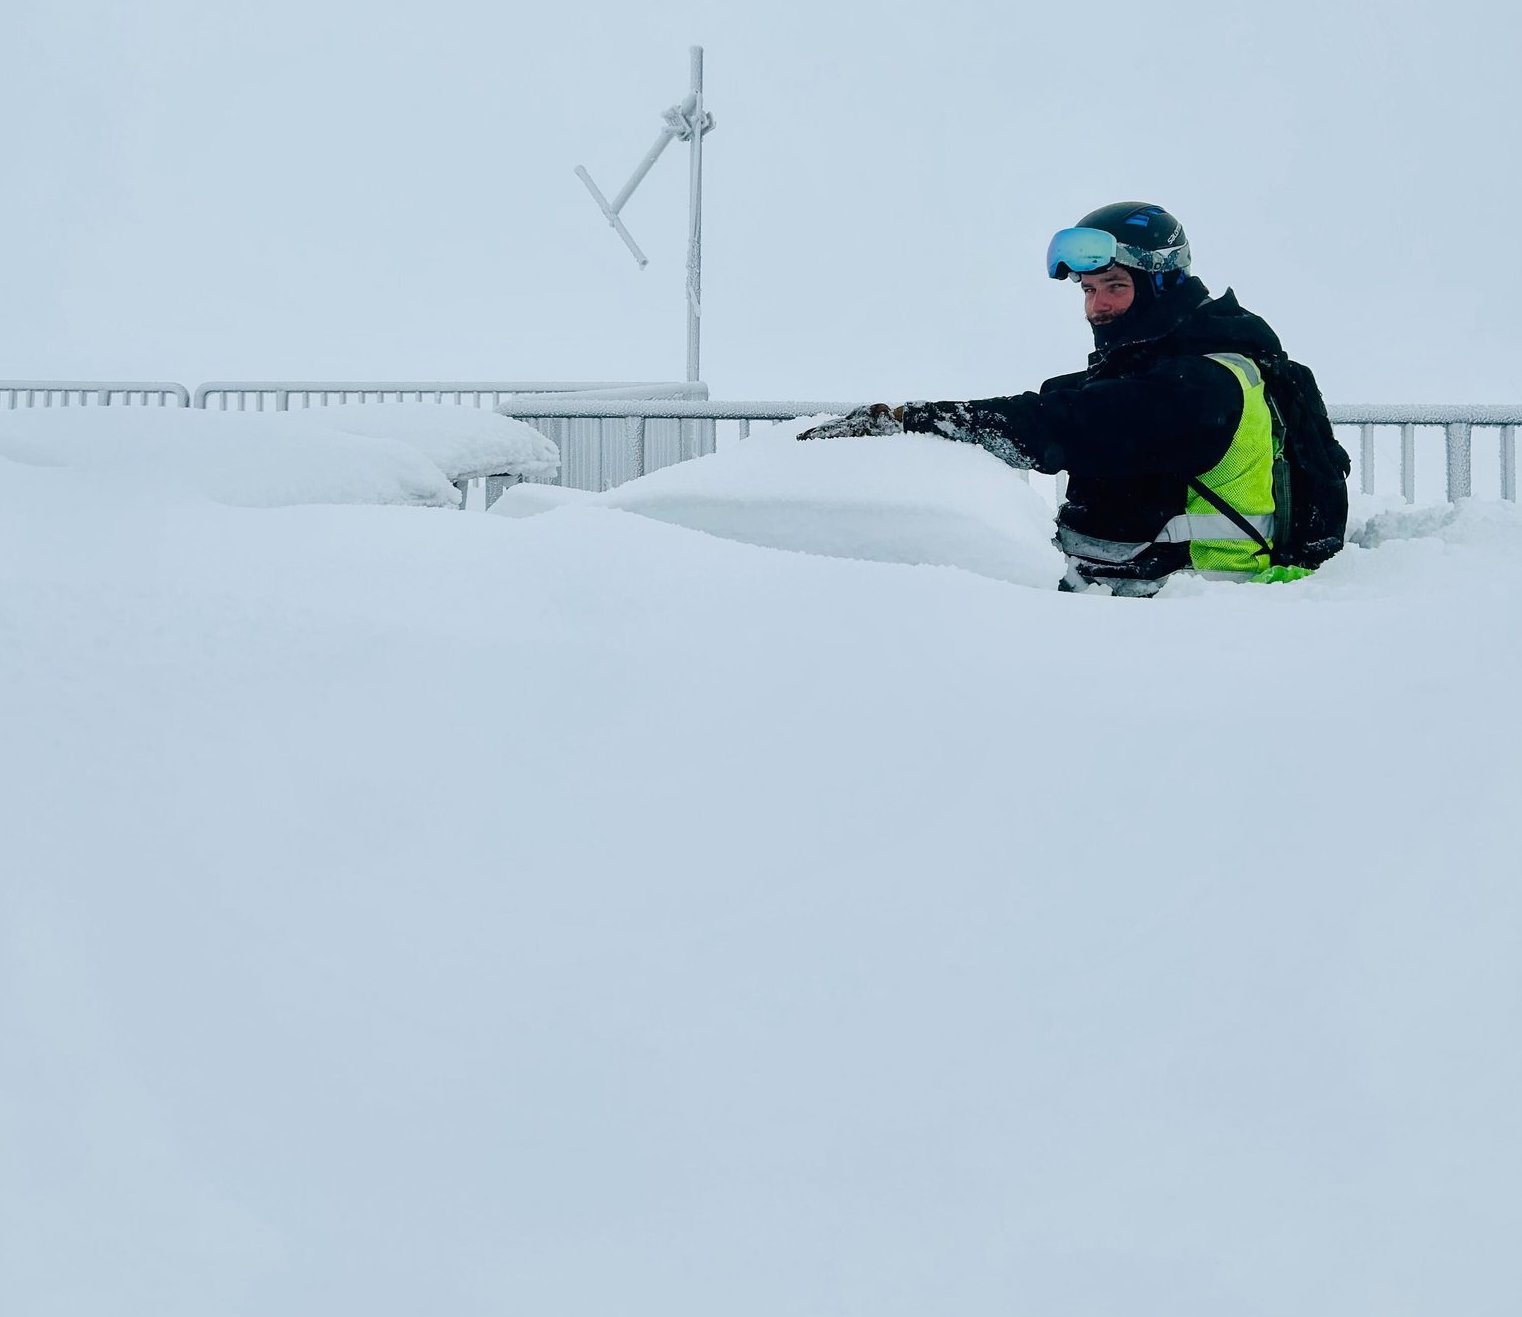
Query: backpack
1310, 468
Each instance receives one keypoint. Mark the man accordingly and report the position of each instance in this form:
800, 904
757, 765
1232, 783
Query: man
1166, 437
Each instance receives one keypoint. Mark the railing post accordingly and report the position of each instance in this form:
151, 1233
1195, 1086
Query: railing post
1366, 458
1457, 436
496, 486
1509, 462
636, 430
1408, 463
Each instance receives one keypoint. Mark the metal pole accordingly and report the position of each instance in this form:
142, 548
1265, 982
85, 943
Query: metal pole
643, 167
1457, 435
1366, 459
1509, 462
1408, 462
635, 428
695, 219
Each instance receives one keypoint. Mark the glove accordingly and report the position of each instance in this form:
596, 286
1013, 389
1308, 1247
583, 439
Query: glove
875, 419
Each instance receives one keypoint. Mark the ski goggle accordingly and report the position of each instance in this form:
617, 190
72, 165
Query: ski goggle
1073, 253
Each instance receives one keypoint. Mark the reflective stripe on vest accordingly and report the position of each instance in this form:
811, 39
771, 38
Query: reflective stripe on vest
1186, 527
1213, 526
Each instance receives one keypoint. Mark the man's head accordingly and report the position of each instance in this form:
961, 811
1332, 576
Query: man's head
1122, 256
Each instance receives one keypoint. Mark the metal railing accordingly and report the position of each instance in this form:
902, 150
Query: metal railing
591, 451
283, 395
15, 394
594, 452
1458, 424
634, 457
609, 432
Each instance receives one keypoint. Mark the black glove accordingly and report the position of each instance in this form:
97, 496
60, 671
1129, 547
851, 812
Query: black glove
1009, 428
875, 419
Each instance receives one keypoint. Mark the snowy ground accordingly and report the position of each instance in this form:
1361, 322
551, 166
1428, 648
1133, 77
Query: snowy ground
579, 913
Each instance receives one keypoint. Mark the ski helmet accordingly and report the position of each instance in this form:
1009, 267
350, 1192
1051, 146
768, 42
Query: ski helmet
1135, 234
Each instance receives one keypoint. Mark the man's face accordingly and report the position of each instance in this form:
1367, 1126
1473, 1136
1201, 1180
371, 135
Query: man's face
1107, 294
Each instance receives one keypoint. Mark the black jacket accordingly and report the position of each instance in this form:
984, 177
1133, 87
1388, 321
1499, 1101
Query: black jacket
1148, 414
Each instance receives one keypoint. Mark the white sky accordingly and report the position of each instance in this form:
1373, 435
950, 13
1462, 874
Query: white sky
379, 190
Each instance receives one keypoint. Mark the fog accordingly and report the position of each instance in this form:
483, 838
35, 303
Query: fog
385, 191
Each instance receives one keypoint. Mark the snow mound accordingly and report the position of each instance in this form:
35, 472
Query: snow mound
1466, 522
903, 499
463, 442
407, 454
531, 500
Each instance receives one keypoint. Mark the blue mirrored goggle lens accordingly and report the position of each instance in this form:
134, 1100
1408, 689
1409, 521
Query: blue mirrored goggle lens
1078, 251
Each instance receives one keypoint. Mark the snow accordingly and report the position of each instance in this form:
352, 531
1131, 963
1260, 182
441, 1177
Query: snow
464, 442
407, 453
583, 913
908, 499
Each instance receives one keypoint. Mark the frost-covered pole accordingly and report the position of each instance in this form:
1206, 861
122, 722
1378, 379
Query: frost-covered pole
695, 218
687, 122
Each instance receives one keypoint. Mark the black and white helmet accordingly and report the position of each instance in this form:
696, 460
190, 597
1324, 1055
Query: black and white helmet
1135, 234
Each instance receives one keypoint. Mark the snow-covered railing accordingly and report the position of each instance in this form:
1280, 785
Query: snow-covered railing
658, 422
594, 450
1458, 424
592, 456
283, 395
636, 417
91, 393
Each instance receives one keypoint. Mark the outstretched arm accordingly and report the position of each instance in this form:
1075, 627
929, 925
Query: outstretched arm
1176, 419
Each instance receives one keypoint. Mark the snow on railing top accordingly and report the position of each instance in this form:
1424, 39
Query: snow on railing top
775, 410
238, 394
598, 409
1425, 413
85, 393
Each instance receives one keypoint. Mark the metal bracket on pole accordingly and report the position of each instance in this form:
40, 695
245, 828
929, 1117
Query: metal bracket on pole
686, 122
612, 212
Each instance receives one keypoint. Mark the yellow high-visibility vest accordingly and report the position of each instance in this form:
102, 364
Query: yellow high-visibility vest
1243, 479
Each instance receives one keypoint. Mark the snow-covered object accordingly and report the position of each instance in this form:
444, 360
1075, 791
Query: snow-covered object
900, 499
393, 453
463, 442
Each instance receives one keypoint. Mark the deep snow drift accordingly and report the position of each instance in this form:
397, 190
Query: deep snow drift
407, 911
910, 500
408, 453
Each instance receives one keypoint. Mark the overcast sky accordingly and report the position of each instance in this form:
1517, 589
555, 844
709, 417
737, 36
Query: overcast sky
334, 189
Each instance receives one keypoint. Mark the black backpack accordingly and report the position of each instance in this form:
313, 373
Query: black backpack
1310, 468
1310, 471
